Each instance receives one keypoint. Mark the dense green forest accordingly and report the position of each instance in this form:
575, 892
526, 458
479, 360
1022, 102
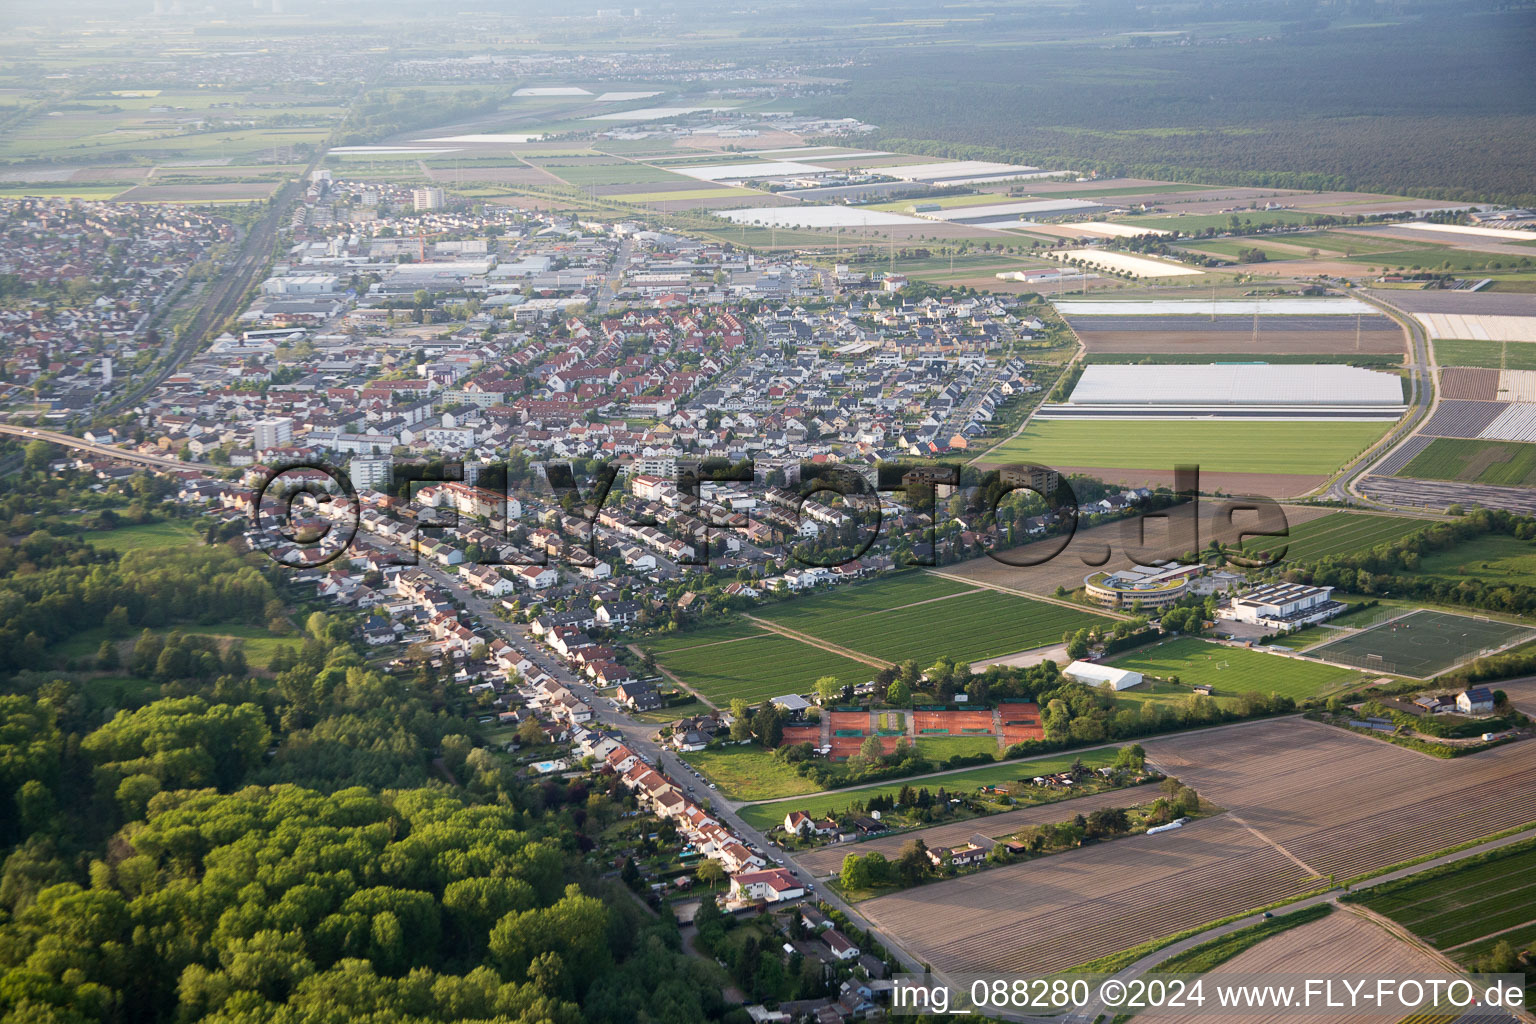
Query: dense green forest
319, 841
1440, 104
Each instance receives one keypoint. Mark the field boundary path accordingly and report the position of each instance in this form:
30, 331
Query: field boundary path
1277, 847
1107, 613
830, 648
674, 679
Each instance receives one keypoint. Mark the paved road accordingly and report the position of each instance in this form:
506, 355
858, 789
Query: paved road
1422, 402
163, 462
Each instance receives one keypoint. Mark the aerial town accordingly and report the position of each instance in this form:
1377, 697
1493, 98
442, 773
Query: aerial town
556, 518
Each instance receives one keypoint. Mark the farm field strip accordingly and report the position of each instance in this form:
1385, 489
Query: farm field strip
1341, 943
967, 626
1049, 914
1340, 803
1234, 446
1505, 463
1338, 533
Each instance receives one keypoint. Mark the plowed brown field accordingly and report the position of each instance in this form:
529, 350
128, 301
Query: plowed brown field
1305, 800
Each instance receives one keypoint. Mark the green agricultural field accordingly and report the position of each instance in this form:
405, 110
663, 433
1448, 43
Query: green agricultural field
1495, 558
1460, 909
1197, 661
154, 536
758, 668
1231, 248
880, 594
690, 193
1312, 449
1493, 355
699, 637
1338, 533
968, 627
1440, 258
767, 815
1506, 463
750, 773
1348, 244
1191, 222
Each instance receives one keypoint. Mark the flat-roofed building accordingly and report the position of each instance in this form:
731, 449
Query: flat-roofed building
1283, 606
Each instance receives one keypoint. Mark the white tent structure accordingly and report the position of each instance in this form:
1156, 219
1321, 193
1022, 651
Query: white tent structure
1089, 674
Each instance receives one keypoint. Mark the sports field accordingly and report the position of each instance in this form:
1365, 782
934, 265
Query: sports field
1463, 910
1422, 643
1493, 355
762, 666
1215, 446
1234, 670
983, 624
1504, 463
1338, 533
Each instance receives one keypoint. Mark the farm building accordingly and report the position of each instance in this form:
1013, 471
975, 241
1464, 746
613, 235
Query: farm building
1283, 606
1476, 701
1247, 390
1089, 674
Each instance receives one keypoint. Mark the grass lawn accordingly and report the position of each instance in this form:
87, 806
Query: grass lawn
166, 534
1505, 463
940, 748
767, 815
673, 712
755, 669
1494, 558
260, 645
1216, 447
1493, 355
1337, 533
109, 689
1195, 661
750, 773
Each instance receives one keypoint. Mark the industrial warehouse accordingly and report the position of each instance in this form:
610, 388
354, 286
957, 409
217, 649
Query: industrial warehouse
1238, 391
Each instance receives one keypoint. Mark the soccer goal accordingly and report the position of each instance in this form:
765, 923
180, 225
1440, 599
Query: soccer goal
1482, 618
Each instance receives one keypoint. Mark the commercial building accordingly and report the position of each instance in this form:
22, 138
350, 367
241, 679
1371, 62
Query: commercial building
1283, 606
1141, 586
